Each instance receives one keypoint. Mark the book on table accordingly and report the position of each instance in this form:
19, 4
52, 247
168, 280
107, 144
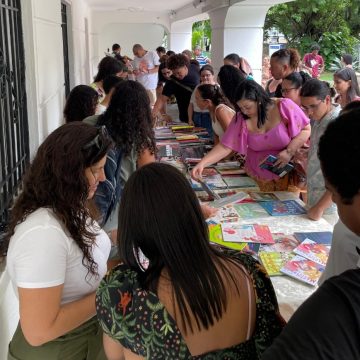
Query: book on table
263, 196
230, 199
283, 243
215, 236
303, 269
238, 232
283, 208
311, 250
320, 237
269, 164
273, 261
239, 181
250, 211
213, 181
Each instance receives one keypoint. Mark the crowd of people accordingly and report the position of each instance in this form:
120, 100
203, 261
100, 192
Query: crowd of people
94, 198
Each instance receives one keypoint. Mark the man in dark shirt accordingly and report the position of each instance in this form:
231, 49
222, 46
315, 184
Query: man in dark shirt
327, 325
185, 77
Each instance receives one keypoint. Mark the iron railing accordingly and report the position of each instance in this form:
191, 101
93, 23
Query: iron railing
14, 139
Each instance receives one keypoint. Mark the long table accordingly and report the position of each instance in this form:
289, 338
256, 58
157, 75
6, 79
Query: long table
290, 292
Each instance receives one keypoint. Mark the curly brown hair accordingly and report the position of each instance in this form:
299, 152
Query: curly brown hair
177, 61
56, 180
128, 118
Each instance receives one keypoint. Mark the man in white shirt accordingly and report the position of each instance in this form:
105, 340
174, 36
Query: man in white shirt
146, 65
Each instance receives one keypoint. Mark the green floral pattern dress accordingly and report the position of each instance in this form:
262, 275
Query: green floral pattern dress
139, 321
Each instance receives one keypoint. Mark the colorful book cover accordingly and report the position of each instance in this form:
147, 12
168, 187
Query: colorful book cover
283, 243
250, 211
215, 236
204, 197
311, 250
227, 214
303, 269
283, 208
167, 150
320, 237
214, 182
239, 181
274, 261
237, 232
268, 164
263, 196
232, 198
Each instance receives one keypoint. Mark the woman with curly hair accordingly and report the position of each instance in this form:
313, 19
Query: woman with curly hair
57, 252
129, 122
81, 103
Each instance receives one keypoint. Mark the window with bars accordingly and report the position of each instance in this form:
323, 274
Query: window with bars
14, 140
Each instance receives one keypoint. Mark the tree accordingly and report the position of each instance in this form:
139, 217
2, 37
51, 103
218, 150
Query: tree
304, 22
201, 30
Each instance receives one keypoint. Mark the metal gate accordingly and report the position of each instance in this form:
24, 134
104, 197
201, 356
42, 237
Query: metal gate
14, 140
64, 28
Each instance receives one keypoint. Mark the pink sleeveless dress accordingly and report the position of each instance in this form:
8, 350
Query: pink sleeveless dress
256, 147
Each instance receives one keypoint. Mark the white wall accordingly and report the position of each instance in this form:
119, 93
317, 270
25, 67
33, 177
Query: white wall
41, 20
150, 36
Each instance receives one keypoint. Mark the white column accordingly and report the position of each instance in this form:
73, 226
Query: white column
239, 29
180, 36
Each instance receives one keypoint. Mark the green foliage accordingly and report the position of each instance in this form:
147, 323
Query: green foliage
200, 31
304, 22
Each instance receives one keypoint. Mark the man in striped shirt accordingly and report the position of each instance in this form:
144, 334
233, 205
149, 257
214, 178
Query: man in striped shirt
199, 57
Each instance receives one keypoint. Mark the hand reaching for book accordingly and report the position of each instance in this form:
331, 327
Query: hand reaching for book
196, 172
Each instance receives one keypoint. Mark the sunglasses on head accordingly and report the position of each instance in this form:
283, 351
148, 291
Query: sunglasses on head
98, 139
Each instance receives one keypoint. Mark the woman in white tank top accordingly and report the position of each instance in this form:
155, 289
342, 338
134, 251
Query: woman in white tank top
211, 97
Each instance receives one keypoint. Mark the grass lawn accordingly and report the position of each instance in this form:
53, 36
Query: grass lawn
327, 76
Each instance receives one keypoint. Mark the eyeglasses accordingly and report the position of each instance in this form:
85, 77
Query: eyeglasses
98, 139
312, 107
285, 91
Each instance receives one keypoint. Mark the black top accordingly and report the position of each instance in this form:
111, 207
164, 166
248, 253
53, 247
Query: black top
135, 317
326, 326
182, 89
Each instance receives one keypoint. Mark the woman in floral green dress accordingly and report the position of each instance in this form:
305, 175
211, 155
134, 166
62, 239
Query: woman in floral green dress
176, 296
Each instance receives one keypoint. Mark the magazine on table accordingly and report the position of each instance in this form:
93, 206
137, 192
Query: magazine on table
237, 232
283, 243
311, 250
283, 208
320, 237
303, 269
274, 261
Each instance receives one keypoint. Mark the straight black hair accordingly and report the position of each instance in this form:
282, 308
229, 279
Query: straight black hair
173, 235
347, 59
229, 78
110, 82
251, 90
213, 93
298, 78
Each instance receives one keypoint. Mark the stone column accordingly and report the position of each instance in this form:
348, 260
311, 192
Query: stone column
238, 29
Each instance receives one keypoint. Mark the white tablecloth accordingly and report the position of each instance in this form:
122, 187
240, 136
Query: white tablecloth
290, 292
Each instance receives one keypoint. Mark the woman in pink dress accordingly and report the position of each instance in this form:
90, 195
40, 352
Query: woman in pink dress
262, 127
